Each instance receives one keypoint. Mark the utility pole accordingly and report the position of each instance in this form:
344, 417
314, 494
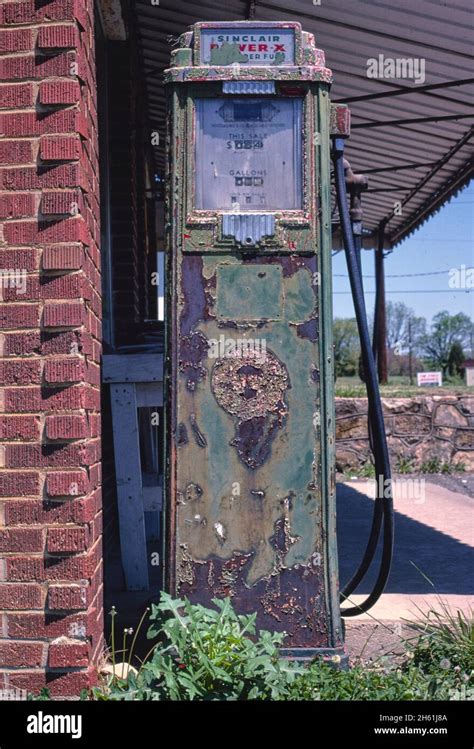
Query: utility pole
410, 357
380, 323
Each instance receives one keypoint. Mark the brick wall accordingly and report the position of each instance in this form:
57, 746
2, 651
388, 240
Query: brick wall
50, 307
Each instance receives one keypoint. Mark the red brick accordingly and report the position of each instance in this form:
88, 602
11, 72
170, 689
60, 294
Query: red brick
59, 92
16, 40
62, 287
92, 399
35, 67
21, 654
30, 11
22, 372
66, 483
18, 344
33, 232
19, 427
57, 37
46, 455
27, 626
17, 96
59, 683
20, 596
24, 569
67, 201
32, 399
95, 425
82, 126
68, 427
37, 178
67, 540
19, 484
64, 370
59, 148
64, 654
19, 315
18, 286
41, 512
16, 205
51, 342
62, 315
21, 539
28, 123
24, 259
67, 597
69, 257
52, 569
85, 509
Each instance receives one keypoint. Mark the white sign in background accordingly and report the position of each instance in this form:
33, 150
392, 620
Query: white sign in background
424, 379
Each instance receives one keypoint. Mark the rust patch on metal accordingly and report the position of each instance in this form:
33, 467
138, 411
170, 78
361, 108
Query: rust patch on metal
253, 390
308, 330
193, 348
254, 438
250, 387
293, 598
198, 435
182, 435
192, 493
192, 289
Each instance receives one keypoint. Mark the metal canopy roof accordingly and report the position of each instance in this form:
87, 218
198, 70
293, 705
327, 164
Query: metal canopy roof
414, 140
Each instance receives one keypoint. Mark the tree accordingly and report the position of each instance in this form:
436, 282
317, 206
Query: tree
404, 329
346, 346
455, 359
446, 330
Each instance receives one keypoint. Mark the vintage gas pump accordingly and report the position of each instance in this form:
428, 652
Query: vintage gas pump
250, 488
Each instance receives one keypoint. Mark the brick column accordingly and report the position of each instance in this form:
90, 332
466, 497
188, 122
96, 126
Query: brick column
50, 309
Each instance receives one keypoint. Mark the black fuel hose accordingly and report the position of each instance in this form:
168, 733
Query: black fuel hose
383, 507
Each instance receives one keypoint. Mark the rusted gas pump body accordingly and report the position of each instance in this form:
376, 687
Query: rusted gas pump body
250, 487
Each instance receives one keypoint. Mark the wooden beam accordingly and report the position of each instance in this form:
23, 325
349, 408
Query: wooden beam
129, 486
132, 368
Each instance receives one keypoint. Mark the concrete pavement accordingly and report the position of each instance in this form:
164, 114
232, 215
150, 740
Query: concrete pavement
434, 539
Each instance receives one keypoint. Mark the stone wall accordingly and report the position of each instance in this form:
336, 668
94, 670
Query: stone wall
418, 429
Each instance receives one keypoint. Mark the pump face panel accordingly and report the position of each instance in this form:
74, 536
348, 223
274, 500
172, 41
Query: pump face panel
248, 154
250, 488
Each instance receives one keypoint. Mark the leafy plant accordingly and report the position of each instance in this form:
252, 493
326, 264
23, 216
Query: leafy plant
43, 695
365, 471
405, 465
207, 654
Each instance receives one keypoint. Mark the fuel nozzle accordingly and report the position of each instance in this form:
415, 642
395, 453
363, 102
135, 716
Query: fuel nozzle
356, 184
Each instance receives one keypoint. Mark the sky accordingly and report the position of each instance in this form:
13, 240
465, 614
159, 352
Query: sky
443, 243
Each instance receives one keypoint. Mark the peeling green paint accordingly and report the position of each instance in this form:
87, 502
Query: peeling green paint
227, 54
250, 474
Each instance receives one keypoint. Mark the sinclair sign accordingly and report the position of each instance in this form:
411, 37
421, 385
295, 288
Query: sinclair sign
262, 46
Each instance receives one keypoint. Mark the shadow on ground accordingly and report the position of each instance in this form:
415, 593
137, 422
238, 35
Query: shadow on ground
447, 562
